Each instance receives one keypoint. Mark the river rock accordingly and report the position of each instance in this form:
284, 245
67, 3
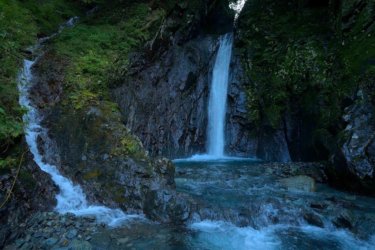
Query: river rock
283, 170
71, 234
299, 183
50, 242
313, 219
344, 220
80, 245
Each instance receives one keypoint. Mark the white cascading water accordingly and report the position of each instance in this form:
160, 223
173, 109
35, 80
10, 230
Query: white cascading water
71, 197
217, 105
218, 98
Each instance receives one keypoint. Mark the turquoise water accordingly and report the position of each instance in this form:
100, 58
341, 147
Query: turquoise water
243, 206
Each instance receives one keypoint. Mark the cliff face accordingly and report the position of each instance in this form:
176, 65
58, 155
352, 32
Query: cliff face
305, 64
353, 162
93, 148
164, 102
164, 99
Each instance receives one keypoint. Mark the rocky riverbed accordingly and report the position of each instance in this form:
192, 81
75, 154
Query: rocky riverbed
239, 198
50, 230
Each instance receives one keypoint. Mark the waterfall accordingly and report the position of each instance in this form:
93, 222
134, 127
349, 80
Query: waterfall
218, 98
217, 106
71, 197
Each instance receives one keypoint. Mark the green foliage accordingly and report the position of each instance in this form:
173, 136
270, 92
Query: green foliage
21, 22
299, 61
99, 42
358, 42
47, 15
93, 49
14, 34
290, 60
9, 127
7, 163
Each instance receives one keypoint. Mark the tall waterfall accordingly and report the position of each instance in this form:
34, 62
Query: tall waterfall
218, 98
71, 197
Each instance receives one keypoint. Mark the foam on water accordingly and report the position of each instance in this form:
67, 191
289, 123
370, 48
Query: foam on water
224, 235
212, 158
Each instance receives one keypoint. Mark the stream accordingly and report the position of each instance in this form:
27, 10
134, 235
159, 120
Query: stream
242, 203
71, 198
255, 213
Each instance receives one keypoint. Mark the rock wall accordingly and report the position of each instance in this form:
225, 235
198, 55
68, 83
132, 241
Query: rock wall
91, 146
164, 102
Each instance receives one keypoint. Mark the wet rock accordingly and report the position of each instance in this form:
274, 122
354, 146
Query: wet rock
127, 177
80, 245
272, 146
123, 240
175, 126
299, 183
71, 234
48, 89
50, 242
313, 219
313, 170
344, 220
19, 242
167, 205
40, 235
27, 246
318, 205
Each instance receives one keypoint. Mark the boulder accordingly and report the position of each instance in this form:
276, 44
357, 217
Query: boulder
299, 183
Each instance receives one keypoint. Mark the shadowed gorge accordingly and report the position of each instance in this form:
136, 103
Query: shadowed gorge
159, 124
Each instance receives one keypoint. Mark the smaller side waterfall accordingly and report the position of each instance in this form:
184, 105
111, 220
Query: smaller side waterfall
71, 197
218, 98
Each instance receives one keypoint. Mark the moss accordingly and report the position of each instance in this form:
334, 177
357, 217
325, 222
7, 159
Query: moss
358, 39
116, 192
8, 163
97, 43
21, 22
94, 49
94, 174
49, 14
119, 196
27, 179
